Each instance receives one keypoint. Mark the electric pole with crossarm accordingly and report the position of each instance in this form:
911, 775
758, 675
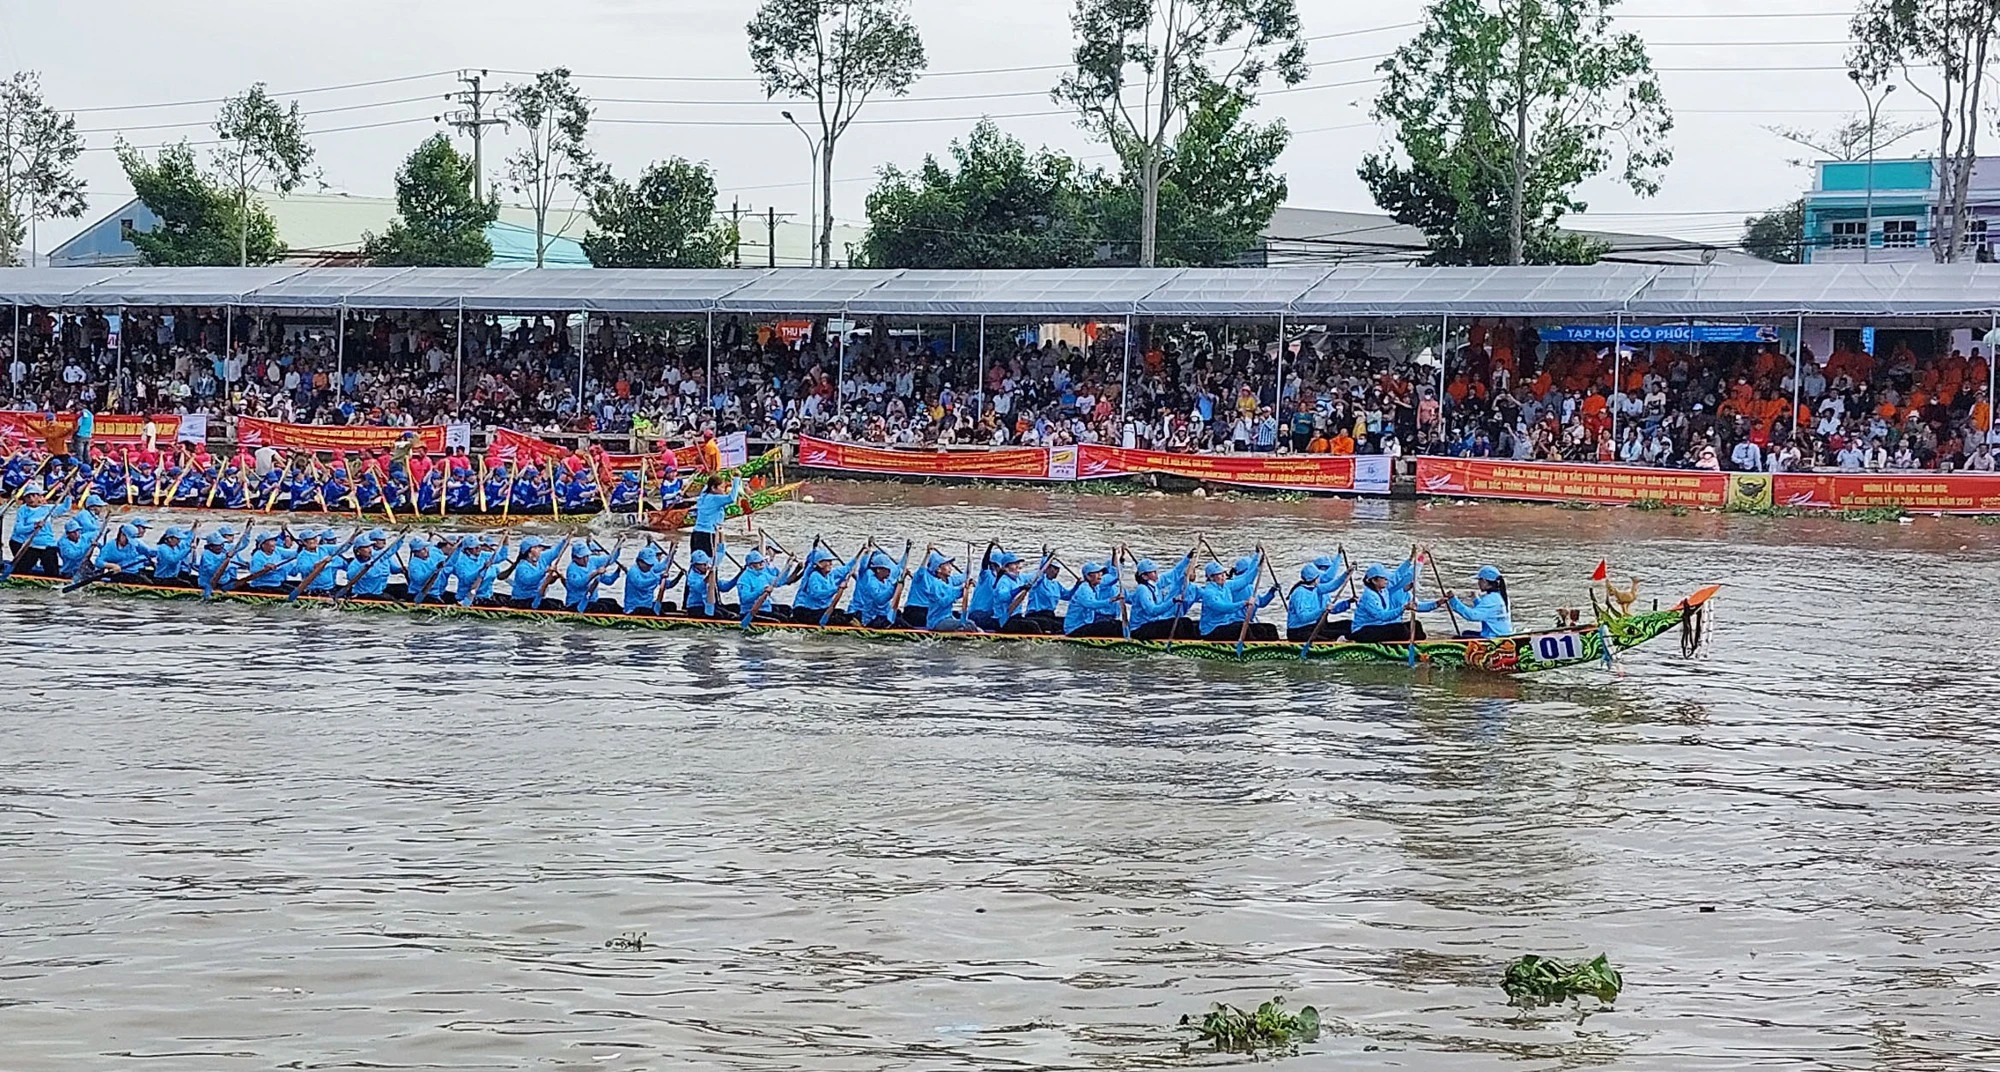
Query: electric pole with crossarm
473, 120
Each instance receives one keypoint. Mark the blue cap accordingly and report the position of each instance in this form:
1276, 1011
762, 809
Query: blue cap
1005, 558
377, 536
225, 531
1488, 573
753, 558
1324, 563
1092, 567
1244, 564
1145, 565
1309, 573
648, 555
699, 558
881, 560
266, 537
214, 539
128, 530
530, 543
580, 550
1374, 572
138, 522
72, 528
1214, 569
489, 540
94, 499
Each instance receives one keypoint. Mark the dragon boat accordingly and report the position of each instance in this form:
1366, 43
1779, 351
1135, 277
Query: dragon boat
1576, 644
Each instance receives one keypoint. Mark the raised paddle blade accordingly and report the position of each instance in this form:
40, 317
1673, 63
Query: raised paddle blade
1700, 597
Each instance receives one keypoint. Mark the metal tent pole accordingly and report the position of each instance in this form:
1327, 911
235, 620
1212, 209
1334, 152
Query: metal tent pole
1798, 373
118, 367
228, 329
709, 342
340, 352
840, 368
582, 341
1617, 370
1125, 381
458, 364
1992, 378
1278, 400
980, 386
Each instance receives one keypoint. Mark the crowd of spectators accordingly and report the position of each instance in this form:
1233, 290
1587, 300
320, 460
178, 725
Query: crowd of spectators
1499, 391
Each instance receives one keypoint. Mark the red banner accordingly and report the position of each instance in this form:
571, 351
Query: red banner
257, 432
1292, 472
119, 429
1949, 493
1488, 478
1006, 463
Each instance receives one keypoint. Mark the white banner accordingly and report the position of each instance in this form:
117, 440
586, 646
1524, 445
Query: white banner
457, 436
1371, 474
1062, 463
194, 428
735, 448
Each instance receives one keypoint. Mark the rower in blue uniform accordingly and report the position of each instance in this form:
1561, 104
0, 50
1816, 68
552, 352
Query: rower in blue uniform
33, 541
268, 564
1090, 613
1489, 610
1045, 594
872, 603
421, 569
625, 493
1156, 600
173, 558
647, 580
934, 595
824, 576
1223, 611
72, 549
694, 595
1381, 614
1312, 602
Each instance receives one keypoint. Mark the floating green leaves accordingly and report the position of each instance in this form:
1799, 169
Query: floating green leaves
1233, 1030
1533, 981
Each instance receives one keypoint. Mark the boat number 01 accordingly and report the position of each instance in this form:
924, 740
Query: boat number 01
1559, 646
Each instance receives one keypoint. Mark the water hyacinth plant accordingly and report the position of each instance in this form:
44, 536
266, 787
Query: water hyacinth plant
1533, 981
1233, 1030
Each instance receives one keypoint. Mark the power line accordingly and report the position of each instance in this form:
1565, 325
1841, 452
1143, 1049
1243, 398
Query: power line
309, 134
209, 122
283, 93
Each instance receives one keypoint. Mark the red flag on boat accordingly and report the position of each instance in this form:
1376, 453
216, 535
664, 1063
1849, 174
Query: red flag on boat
1603, 570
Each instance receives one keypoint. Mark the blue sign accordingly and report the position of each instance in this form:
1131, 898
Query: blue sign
1752, 333
1868, 341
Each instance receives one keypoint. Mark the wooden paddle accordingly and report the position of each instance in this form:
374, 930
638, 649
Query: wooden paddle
1327, 607
387, 510
1249, 607
1180, 600
323, 563
1438, 576
856, 566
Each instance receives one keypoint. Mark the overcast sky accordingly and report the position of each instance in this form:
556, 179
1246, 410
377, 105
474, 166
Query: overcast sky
671, 77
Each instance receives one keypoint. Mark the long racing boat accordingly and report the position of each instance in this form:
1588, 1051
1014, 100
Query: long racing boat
1523, 653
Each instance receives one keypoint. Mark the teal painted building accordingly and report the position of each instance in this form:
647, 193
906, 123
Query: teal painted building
328, 229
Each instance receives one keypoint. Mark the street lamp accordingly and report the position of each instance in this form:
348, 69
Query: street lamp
1868, 211
812, 187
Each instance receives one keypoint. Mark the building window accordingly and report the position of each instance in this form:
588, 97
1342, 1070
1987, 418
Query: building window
1974, 235
1849, 234
1899, 234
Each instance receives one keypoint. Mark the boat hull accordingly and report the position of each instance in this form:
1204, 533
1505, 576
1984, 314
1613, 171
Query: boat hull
1519, 654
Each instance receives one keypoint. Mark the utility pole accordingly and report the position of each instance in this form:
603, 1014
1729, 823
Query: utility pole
771, 216
736, 232
473, 120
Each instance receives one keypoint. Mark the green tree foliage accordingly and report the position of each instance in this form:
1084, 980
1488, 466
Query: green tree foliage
1145, 67
554, 116
199, 222
1219, 186
993, 205
39, 147
438, 222
837, 54
1778, 235
1502, 108
263, 145
1942, 50
665, 220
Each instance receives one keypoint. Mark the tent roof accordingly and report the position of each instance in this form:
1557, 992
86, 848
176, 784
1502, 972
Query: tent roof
1354, 292
1050, 292
1821, 289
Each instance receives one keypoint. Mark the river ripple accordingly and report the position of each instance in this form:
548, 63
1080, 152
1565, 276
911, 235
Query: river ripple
251, 839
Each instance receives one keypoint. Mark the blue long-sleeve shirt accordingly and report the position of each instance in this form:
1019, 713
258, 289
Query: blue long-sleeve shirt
1043, 595
1086, 605
1221, 607
871, 598
1489, 611
127, 557
580, 579
1386, 607
171, 562
710, 509
1308, 602
642, 585
694, 596
531, 569
816, 589
36, 525
370, 576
